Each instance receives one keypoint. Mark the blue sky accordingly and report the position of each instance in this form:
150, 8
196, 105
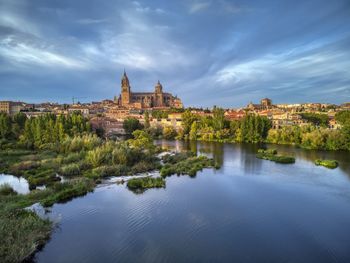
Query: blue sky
207, 52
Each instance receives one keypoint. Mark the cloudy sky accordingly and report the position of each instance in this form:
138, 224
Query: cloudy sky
208, 52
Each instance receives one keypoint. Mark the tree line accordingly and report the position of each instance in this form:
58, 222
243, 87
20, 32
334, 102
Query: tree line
42, 130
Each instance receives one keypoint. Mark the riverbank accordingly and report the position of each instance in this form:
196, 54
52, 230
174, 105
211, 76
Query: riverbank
83, 168
173, 223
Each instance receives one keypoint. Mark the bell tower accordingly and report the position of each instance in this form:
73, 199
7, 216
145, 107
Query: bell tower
158, 90
125, 90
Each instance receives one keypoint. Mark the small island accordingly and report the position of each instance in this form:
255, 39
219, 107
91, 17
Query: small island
185, 163
144, 183
271, 155
331, 164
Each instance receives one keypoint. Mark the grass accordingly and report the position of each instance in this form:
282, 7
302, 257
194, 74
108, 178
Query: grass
331, 164
145, 183
68, 190
6, 189
271, 155
23, 232
107, 170
177, 157
188, 166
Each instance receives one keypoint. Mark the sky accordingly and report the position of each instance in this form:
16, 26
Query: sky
221, 52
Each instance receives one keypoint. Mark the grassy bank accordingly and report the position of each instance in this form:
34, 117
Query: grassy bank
23, 232
271, 155
331, 164
84, 160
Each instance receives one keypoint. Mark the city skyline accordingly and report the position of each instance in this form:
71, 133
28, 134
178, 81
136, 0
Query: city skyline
289, 52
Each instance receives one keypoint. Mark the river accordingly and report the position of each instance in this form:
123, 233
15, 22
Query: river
250, 210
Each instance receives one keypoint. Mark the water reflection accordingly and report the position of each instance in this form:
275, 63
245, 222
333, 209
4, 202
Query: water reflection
250, 210
19, 184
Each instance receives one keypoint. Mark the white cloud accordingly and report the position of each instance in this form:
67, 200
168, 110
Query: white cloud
198, 6
272, 67
15, 22
145, 9
89, 21
25, 54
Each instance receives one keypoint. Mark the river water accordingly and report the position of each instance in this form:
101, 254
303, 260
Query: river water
250, 210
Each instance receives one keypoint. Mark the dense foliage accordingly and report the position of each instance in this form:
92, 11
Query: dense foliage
316, 118
42, 131
132, 124
311, 137
251, 128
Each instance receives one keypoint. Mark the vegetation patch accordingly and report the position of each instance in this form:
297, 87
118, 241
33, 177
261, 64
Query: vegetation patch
107, 170
22, 233
68, 190
6, 189
145, 183
271, 155
331, 164
190, 165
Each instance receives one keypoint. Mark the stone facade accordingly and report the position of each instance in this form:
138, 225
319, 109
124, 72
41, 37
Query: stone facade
10, 107
144, 100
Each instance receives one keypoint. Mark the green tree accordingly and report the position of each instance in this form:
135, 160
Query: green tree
187, 119
142, 140
131, 124
147, 123
218, 118
316, 119
5, 126
169, 132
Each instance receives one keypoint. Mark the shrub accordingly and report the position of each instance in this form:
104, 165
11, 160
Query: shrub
24, 165
105, 171
99, 155
142, 167
70, 169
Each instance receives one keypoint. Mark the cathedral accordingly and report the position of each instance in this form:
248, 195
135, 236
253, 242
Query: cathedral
144, 100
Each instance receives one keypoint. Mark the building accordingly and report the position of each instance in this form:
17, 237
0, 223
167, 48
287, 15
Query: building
233, 115
266, 103
144, 100
109, 126
77, 108
174, 120
10, 107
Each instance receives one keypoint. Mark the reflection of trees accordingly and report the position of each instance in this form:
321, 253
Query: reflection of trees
218, 153
250, 163
245, 153
214, 150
